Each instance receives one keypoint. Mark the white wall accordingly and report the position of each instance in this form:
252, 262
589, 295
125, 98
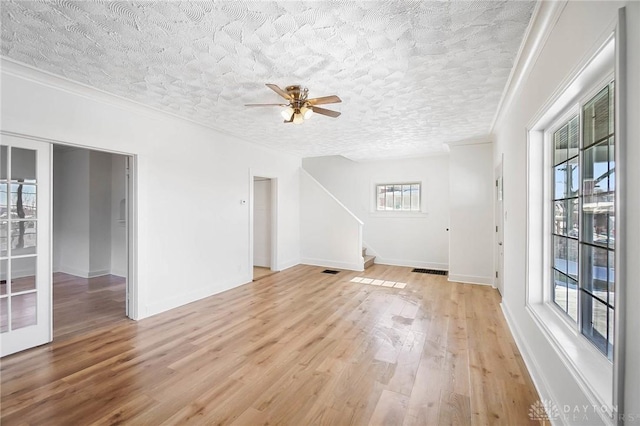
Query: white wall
471, 219
88, 186
71, 226
82, 212
577, 33
403, 238
262, 222
330, 234
192, 229
99, 213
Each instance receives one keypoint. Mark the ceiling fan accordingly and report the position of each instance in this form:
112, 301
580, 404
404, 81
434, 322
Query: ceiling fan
299, 107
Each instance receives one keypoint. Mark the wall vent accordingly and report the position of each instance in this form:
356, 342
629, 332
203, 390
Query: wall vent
429, 271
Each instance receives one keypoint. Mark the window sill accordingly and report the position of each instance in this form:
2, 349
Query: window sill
592, 371
398, 214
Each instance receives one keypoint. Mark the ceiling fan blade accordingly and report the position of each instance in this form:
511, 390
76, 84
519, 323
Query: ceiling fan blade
333, 99
279, 91
324, 111
260, 105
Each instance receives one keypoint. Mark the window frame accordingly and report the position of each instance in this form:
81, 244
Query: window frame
574, 110
400, 212
593, 372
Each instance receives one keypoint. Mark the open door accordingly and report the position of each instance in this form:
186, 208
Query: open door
262, 222
25, 248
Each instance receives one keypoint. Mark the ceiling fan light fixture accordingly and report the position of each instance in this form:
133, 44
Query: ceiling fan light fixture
287, 113
306, 112
297, 117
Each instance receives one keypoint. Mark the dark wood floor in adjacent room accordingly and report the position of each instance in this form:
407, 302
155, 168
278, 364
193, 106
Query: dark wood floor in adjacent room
298, 347
81, 305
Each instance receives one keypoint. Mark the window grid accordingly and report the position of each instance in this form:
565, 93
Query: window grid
398, 197
566, 217
583, 223
598, 225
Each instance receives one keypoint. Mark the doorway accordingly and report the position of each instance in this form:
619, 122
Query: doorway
29, 253
264, 231
499, 224
90, 247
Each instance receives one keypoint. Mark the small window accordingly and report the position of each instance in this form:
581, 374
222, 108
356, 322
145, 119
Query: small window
398, 197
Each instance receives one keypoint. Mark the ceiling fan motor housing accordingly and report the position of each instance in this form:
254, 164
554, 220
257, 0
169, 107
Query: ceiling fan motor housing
298, 95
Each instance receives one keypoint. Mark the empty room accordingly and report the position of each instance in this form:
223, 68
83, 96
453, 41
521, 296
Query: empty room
319, 212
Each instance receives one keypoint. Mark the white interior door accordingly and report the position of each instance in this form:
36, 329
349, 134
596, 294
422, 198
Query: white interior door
25, 249
262, 222
499, 216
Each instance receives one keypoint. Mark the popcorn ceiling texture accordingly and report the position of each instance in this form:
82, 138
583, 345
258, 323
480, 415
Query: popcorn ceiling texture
412, 75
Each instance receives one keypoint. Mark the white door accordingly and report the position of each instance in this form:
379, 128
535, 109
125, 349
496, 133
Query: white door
499, 222
262, 222
25, 251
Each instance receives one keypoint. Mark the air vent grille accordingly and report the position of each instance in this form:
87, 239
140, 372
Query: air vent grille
429, 271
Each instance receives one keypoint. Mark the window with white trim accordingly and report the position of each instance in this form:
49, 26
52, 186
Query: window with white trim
583, 224
398, 197
573, 248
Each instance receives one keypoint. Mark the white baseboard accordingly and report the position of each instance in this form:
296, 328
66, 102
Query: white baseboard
411, 263
181, 299
83, 273
118, 273
73, 271
470, 279
288, 264
98, 273
333, 264
532, 366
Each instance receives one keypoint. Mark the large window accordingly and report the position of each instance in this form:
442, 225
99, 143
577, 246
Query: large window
583, 223
398, 197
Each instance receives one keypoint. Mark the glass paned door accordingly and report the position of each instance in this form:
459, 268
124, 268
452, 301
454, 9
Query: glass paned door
25, 267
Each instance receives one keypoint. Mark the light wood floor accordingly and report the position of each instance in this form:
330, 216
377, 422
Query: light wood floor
260, 272
299, 348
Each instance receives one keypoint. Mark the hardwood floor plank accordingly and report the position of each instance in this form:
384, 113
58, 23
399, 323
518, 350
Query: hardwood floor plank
390, 410
455, 409
125, 413
424, 403
408, 363
298, 348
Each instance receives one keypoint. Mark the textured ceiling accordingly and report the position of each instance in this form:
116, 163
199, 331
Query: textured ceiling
412, 75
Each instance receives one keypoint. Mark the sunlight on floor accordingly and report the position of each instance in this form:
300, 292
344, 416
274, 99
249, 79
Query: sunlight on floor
382, 283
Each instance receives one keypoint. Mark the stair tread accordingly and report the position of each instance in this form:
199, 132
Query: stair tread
368, 261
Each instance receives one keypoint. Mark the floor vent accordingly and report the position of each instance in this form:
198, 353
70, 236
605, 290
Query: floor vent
330, 271
429, 271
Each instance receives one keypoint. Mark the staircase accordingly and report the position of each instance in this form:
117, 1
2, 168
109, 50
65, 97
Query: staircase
368, 259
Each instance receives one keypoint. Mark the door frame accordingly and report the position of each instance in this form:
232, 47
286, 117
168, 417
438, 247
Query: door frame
274, 221
499, 226
131, 232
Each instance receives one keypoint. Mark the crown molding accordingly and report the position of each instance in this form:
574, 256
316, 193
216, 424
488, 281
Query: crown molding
27, 72
544, 19
470, 141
